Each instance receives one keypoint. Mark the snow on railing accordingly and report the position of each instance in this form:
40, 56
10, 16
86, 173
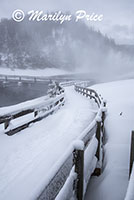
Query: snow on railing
71, 174
32, 78
92, 94
26, 78
19, 117
71, 83
84, 83
23, 78
130, 189
67, 83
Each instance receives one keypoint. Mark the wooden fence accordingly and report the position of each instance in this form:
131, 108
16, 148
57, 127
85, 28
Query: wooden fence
130, 189
92, 94
68, 83
59, 78
32, 113
83, 159
17, 78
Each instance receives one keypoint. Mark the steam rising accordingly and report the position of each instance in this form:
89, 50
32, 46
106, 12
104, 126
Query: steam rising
72, 46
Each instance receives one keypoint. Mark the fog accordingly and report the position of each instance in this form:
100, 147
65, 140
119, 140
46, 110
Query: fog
117, 14
72, 46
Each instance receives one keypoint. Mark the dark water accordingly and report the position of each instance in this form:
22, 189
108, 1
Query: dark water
13, 93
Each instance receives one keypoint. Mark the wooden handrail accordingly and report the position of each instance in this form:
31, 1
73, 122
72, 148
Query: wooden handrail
89, 93
47, 107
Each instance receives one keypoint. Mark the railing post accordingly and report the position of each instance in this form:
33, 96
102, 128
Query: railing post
35, 113
35, 79
79, 169
103, 118
97, 171
90, 95
103, 112
6, 124
131, 153
98, 135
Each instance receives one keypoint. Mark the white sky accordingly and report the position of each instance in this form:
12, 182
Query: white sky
118, 19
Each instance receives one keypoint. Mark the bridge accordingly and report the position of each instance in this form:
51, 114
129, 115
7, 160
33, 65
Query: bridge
82, 156
30, 87
32, 79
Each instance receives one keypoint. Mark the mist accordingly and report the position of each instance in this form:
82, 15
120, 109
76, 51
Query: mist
74, 47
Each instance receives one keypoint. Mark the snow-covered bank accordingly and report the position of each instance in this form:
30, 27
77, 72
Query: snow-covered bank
112, 184
27, 158
31, 72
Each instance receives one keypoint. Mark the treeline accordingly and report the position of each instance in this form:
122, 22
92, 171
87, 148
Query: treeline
67, 46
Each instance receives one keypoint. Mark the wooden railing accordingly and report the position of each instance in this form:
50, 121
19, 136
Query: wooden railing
68, 83
92, 94
23, 78
75, 82
17, 78
70, 176
130, 189
30, 114
32, 79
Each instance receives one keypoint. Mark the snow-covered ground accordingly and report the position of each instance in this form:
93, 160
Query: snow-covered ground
28, 158
112, 184
31, 72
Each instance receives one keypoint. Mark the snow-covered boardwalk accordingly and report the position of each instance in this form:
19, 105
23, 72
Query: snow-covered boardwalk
27, 158
112, 184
